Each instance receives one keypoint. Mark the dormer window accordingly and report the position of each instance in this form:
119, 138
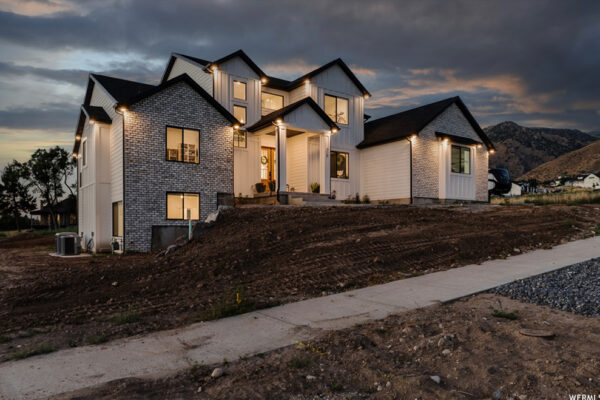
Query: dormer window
337, 109
239, 90
271, 102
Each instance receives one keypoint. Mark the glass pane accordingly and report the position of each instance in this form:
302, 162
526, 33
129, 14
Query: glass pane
191, 202
240, 114
455, 159
120, 219
342, 110
341, 165
191, 145
175, 206
466, 160
173, 144
239, 90
271, 101
239, 138
330, 107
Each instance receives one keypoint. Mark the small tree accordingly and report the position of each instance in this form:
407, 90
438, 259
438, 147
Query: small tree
15, 198
47, 170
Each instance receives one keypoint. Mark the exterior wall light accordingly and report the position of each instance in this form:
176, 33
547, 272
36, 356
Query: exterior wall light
413, 137
334, 130
492, 151
123, 109
75, 155
214, 67
236, 127
78, 137
278, 121
92, 122
263, 80
479, 146
366, 96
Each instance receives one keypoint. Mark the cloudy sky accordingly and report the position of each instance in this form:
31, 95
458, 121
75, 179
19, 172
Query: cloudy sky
533, 62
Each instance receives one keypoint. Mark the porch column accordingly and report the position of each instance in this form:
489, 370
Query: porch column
325, 164
281, 158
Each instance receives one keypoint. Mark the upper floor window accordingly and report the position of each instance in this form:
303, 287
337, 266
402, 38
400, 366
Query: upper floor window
239, 90
270, 101
337, 109
239, 112
461, 160
339, 165
183, 145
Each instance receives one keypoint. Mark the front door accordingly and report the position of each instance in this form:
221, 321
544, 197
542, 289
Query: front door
267, 165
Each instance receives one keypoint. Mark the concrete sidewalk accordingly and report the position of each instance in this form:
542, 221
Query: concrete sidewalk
207, 343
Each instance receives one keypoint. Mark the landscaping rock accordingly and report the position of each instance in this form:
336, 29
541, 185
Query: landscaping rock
436, 379
575, 288
217, 372
310, 377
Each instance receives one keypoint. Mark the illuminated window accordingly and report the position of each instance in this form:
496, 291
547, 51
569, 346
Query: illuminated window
339, 165
84, 153
461, 160
239, 90
183, 145
239, 113
178, 205
271, 101
337, 109
117, 219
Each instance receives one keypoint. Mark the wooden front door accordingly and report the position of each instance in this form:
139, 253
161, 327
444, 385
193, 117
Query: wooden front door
267, 165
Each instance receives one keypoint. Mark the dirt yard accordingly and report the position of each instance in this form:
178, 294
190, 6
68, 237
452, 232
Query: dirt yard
255, 257
475, 356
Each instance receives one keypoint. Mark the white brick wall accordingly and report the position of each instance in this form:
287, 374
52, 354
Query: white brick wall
149, 176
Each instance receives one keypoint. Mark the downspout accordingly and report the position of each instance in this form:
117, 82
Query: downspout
410, 164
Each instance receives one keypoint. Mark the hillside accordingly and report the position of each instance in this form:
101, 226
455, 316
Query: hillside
520, 149
586, 159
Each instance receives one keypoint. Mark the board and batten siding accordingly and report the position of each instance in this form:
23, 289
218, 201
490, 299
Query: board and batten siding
385, 171
204, 79
297, 163
100, 98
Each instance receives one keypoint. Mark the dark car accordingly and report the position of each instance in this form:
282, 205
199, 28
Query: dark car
499, 181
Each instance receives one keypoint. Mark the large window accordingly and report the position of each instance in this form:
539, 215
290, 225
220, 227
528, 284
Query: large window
239, 112
239, 90
270, 101
337, 109
117, 219
178, 205
339, 165
183, 145
461, 160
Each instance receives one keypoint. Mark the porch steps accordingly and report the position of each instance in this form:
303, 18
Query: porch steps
312, 199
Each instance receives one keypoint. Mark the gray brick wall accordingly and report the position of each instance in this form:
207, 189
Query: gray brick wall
149, 176
426, 155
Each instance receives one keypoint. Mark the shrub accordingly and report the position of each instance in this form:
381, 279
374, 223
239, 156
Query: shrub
43, 348
315, 187
126, 317
500, 312
260, 187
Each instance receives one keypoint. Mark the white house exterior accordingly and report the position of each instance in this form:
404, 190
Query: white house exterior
212, 130
589, 181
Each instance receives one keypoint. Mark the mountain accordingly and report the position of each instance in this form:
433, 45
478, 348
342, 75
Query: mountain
586, 159
594, 134
520, 149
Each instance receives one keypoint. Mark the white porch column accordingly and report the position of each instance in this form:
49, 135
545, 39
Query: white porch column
281, 158
325, 164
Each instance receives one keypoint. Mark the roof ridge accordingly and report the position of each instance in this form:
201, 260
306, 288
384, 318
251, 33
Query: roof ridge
454, 98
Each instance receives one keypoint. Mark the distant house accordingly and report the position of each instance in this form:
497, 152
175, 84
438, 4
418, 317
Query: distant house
588, 181
66, 213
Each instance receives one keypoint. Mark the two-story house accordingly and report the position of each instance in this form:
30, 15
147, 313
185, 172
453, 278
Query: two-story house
152, 157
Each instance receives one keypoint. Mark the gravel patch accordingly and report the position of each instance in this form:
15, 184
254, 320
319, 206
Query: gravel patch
575, 288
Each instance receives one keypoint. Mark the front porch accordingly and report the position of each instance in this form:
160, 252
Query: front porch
286, 151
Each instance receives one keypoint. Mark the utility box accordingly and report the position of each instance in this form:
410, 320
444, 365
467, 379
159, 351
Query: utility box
67, 244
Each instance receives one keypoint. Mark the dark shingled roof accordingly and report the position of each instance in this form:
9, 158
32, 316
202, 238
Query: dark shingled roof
268, 119
96, 114
121, 89
411, 122
192, 83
